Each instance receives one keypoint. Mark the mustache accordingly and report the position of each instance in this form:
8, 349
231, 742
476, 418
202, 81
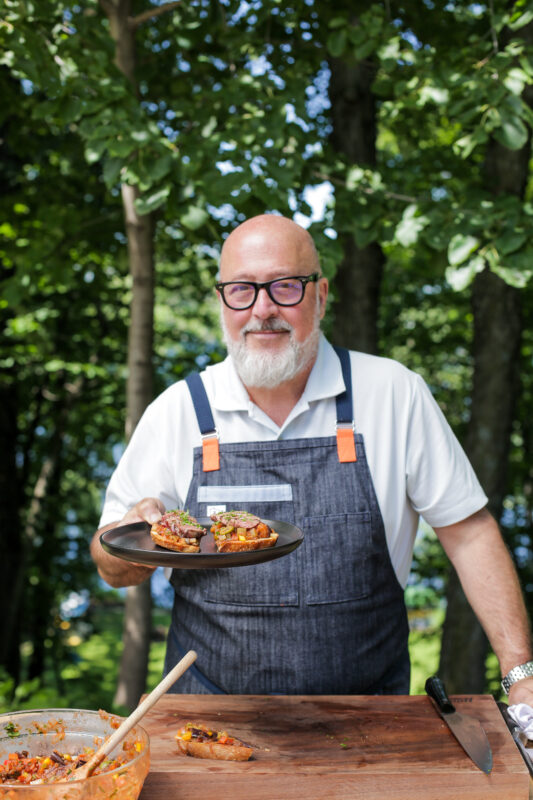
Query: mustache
273, 324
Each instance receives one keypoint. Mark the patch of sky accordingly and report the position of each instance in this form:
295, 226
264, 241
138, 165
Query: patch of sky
291, 116
219, 64
117, 450
225, 167
75, 604
256, 165
261, 66
27, 86
317, 197
241, 12
438, 193
317, 93
244, 188
162, 591
202, 360
413, 40
169, 132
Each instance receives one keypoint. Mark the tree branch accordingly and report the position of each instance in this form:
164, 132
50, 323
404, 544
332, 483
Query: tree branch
134, 22
365, 189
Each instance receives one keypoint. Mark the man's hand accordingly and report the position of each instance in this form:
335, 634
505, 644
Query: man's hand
115, 571
150, 510
521, 692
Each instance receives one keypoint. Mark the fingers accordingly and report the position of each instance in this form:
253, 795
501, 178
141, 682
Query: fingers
150, 510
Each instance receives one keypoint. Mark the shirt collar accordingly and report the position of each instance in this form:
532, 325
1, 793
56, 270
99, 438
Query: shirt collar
325, 381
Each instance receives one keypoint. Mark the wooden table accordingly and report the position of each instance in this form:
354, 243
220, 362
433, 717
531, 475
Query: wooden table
341, 747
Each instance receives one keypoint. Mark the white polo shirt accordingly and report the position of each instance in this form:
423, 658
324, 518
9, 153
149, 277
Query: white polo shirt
417, 464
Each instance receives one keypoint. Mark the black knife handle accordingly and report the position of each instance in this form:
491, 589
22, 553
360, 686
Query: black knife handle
435, 689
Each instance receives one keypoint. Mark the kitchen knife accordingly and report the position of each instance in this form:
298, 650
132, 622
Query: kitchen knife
466, 730
519, 737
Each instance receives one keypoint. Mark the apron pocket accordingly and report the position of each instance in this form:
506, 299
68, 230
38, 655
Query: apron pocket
337, 550
273, 583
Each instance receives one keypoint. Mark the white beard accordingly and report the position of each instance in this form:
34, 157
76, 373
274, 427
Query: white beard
265, 369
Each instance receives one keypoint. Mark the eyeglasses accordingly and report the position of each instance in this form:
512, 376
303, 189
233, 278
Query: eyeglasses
240, 295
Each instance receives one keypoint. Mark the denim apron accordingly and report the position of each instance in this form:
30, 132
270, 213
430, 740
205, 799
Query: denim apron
330, 617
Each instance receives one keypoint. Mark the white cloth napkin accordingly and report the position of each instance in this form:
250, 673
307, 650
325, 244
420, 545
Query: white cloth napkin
522, 714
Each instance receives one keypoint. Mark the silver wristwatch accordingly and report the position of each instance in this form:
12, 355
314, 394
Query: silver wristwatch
516, 674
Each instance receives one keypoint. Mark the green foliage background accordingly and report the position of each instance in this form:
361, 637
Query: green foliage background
229, 118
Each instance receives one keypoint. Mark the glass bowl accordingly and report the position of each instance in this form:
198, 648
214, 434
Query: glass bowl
70, 730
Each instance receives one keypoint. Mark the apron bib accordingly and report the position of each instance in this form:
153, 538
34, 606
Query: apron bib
330, 617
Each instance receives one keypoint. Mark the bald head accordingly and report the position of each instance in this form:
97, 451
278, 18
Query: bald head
272, 241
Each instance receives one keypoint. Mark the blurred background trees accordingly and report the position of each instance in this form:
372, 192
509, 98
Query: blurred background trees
136, 134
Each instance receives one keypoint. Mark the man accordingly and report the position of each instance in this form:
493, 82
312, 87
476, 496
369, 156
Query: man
349, 447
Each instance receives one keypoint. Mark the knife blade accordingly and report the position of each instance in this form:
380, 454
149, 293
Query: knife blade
466, 729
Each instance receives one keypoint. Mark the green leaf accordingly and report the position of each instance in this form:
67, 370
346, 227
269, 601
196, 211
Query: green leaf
145, 205
337, 22
513, 277
460, 277
209, 127
112, 167
194, 217
512, 133
161, 167
94, 151
466, 144
510, 241
515, 80
364, 237
119, 147
520, 21
461, 247
336, 43
366, 49
410, 226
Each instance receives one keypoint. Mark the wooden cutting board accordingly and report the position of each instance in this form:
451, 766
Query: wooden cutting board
341, 747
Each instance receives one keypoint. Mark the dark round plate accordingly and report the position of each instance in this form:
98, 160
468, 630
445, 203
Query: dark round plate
133, 543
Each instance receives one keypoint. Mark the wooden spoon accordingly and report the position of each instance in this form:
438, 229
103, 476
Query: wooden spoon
125, 727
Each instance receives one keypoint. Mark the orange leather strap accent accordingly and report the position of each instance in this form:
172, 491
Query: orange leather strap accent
346, 445
210, 454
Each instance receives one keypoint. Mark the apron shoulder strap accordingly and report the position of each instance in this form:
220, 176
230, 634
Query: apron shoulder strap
345, 428
206, 423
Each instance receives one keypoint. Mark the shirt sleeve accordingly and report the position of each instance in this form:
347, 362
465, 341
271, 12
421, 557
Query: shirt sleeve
441, 483
144, 469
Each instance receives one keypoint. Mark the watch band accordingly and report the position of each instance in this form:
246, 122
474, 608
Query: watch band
516, 674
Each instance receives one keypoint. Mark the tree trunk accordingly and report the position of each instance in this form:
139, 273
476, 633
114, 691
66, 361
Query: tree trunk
11, 540
40, 527
497, 337
497, 332
358, 279
138, 608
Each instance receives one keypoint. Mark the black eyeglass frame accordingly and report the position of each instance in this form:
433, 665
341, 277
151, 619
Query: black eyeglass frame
304, 280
